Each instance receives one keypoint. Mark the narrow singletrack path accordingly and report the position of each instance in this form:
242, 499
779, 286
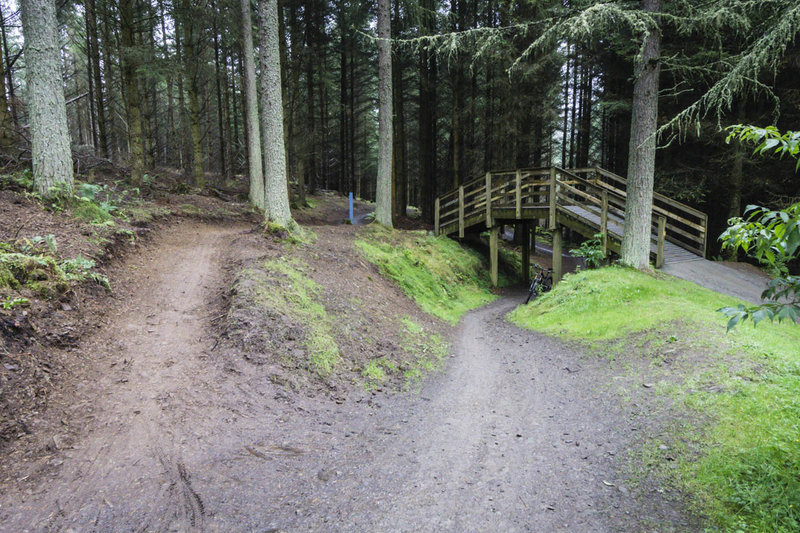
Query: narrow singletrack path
518, 433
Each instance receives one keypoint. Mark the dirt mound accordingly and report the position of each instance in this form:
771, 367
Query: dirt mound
318, 315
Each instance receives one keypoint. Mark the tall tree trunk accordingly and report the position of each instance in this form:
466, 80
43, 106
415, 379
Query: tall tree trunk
566, 112
94, 59
251, 110
8, 73
383, 190
427, 117
130, 84
6, 124
635, 250
400, 165
50, 143
218, 79
191, 62
275, 187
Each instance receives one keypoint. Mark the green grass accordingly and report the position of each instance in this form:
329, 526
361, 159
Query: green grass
743, 464
296, 294
442, 277
426, 352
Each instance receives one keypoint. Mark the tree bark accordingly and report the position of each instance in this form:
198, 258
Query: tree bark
275, 185
427, 117
50, 142
251, 110
130, 83
635, 250
192, 89
383, 191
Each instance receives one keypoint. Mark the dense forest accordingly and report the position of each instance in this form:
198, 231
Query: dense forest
476, 85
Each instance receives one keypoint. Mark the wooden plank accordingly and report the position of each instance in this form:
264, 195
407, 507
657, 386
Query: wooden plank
488, 199
526, 252
436, 217
662, 233
518, 193
604, 220
494, 237
557, 267
461, 212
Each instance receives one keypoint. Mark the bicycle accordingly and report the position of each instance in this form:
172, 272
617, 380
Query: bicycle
543, 282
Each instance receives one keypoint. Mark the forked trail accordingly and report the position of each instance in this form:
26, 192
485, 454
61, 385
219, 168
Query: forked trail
517, 434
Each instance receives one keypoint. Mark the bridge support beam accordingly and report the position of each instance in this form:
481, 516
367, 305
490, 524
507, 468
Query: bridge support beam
557, 245
525, 230
494, 238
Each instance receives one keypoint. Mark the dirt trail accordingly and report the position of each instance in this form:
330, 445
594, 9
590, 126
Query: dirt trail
518, 434
144, 406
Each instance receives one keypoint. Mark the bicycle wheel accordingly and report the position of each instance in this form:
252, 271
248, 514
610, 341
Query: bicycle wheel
532, 293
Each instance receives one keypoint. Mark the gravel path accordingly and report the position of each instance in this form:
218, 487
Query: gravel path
519, 433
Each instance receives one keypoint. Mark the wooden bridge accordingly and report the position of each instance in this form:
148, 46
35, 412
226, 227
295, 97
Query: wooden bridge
586, 200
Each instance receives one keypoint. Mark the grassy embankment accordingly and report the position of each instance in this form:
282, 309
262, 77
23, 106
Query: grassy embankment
736, 398
444, 278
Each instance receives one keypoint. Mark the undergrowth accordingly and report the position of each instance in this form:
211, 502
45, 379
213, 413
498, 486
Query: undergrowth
743, 464
442, 277
34, 265
293, 292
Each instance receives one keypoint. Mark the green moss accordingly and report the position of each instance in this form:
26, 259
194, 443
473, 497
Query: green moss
44, 274
442, 277
297, 295
744, 465
88, 211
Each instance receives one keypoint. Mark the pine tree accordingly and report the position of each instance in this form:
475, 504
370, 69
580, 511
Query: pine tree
251, 110
276, 188
52, 157
383, 194
635, 249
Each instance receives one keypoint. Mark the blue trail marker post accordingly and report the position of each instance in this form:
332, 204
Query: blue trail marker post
350, 196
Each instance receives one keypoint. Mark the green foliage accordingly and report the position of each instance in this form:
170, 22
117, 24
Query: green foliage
37, 269
767, 140
21, 180
88, 211
744, 465
592, 251
441, 276
771, 236
11, 303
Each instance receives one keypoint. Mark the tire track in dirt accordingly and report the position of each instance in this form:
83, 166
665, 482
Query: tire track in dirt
519, 432
146, 398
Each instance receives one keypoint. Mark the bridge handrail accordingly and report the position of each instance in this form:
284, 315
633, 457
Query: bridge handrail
475, 200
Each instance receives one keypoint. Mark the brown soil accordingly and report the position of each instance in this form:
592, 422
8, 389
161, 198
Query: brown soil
167, 427
38, 341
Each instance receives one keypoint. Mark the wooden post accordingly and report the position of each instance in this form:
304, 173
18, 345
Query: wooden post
461, 212
494, 237
436, 217
488, 199
557, 268
604, 221
552, 222
526, 252
662, 233
519, 194
704, 223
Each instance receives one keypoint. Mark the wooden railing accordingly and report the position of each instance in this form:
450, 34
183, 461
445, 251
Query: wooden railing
591, 197
685, 226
